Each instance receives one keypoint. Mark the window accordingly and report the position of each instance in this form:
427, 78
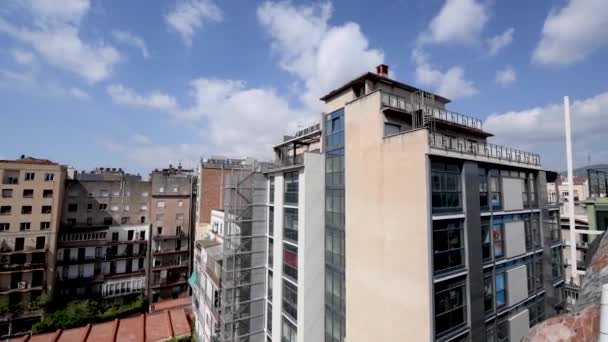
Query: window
116, 194
180, 203
495, 190
448, 245
72, 207
40, 242
498, 236
483, 190
488, 293
532, 189
46, 209
89, 221
269, 286
450, 306
486, 240
269, 319
553, 227
29, 176
45, 225
179, 216
291, 187
89, 206
271, 221
391, 128
271, 187
142, 219
334, 168
49, 177
159, 230
143, 208
107, 221
501, 291
25, 226
5, 226
7, 193
290, 300
446, 187
290, 261
502, 331
530, 278
124, 220
114, 208
26, 209
160, 217
126, 207
556, 263
104, 193
334, 207
71, 221
288, 332
270, 252
47, 193
538, 273
160, 204
5, 210
161, 189
28, 193
290, 229
144, 194
103, 206
19, 243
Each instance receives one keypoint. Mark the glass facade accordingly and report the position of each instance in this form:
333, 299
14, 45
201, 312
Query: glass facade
292, 186
450, 306
448, 245
290, 225
334, 227
446, 187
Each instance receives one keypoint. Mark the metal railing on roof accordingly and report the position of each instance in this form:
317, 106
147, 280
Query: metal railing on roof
410, 104
498, 152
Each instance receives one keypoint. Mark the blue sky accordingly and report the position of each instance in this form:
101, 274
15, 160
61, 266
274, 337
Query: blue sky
141, 84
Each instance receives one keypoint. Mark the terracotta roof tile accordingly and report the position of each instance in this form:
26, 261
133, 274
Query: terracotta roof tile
49, 337
172, 303
18, 339
75, 335
103, 332
131, 329
179, 322
158, 327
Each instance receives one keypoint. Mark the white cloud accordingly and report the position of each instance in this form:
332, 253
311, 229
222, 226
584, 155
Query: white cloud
573, 32
141, 139
133, 40
54, 34
497, 43
23, 57
146, 156
28, 82
321, 56
155, 100
188, 16
458, 21
451, 83
541, 129
506, 76
78, 93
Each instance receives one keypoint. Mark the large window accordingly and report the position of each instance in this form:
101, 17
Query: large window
290, 300
334, 288
271, 221
334, 247
290, 227
271, 189
483, 190
530, 277
528, 232
534, 222
334, 207
495, 191
334, 168
450, 306
501, 290
269, 285
270, 252
290, 261
556, 263
289, 332
269, 318
446, 187
486, 239
553, 227
538, 273
291, 187
498, 236
448, 245
488, 293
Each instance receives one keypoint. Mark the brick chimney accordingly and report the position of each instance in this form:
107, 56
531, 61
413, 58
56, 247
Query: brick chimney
382, 70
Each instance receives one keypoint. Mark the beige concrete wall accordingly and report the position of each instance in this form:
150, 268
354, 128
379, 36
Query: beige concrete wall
388, 265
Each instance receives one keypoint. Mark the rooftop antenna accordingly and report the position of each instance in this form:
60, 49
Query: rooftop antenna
574, 273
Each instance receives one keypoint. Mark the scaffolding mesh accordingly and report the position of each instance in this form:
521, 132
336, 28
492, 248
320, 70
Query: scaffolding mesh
244, 256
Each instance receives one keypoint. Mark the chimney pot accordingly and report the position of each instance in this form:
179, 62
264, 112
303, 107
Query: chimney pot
382, 70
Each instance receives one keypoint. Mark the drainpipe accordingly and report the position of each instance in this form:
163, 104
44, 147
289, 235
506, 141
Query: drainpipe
604, 315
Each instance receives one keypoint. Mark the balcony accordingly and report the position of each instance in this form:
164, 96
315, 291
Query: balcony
27, 250
170, 265
75, 261
170, 282
481, 149
81, 281
133, 273
178, 236
169, 251
28, 266
21, 286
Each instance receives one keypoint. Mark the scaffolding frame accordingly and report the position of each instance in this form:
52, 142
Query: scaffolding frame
244, 252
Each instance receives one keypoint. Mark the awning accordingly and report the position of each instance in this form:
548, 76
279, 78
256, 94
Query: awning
193, 280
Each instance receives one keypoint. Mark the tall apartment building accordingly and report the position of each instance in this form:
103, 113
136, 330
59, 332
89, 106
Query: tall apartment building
429, 231
30, 209
103, 244
205, 281
172, 214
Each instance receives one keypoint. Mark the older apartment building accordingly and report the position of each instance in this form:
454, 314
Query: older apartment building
172, 215
103, 245
30, 208
404, 209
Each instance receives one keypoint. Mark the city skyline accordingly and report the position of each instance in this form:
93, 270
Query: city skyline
94, 87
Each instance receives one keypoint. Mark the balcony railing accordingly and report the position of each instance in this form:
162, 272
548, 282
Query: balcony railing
406, 104
457, 144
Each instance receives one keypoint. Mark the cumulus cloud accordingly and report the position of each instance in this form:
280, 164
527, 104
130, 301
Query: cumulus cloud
497, 43
133, 40
541, 129
23, 57
320, 55
27, 81
53, 32
154, 100
506, 76
572, 32
458, 21
189, 16
451, 83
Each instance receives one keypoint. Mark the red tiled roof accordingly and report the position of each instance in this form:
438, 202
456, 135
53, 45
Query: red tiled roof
172, 303
157, 326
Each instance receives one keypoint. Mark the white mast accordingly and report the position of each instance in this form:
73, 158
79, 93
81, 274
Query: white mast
573, 265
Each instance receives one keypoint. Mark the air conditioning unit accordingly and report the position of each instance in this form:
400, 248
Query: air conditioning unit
22, 285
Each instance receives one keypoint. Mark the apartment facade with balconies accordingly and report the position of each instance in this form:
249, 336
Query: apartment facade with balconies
30, 209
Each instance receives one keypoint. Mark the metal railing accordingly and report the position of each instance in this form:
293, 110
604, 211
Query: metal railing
444, 142
409, 104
